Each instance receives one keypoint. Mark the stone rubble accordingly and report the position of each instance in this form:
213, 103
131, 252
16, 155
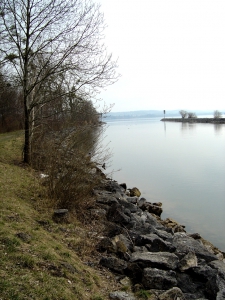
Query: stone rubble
156, 255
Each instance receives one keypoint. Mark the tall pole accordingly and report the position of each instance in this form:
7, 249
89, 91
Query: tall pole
164, 113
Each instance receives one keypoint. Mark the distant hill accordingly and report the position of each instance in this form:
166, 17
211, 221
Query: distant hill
151, 114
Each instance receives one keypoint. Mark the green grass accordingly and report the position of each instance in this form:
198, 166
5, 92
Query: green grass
43, 266
143, 294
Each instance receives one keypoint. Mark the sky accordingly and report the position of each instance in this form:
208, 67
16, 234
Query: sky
171, 54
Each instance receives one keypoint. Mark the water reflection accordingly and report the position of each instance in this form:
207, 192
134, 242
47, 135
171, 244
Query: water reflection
218, 128
185, 126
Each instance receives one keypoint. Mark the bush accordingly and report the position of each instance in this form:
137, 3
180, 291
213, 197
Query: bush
71, 159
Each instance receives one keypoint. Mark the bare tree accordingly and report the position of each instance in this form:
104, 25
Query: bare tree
192, 115
50, 40
183, 113
217, 114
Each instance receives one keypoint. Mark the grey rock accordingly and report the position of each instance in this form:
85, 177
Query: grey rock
60, 216
61, 211
132, 207
106, 199
116, 214
158, 279
114, 264
154, 243
122, 240
172, 294
155, 209
215, 288
163, 234
119, 195
141, 201
151, 208
124, 186
139, 219
220, 295
122, 296
195, 236
158, 259
219, 266
114, 187
193, 297
106, 244
203, 273
134, 271
184, 244
140, 249
133, 200
140, 228
188, 261
153, 221
190, 286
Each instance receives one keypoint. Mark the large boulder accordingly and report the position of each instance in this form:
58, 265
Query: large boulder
134, 271
154, 243
107, 244
188, 261
113, 263
134, 192
106, 199
162, 260
163, 234
116, 214
184, 244
215, 288
176, 227
155, 209
153, 221
174, 293
128, 205
119, 295
158, 279
192, 288
114, 187
141, 202
123, 243
219, 266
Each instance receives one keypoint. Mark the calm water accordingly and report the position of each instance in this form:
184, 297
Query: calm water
180, 165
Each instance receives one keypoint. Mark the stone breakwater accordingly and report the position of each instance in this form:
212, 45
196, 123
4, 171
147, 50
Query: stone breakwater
195, 120
154, 254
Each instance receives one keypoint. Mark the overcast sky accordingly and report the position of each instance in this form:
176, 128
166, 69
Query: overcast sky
171, 54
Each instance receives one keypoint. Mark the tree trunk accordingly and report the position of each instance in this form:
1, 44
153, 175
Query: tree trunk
26, 154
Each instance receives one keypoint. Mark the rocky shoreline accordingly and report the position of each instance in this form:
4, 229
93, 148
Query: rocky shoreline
195, 120
154, 255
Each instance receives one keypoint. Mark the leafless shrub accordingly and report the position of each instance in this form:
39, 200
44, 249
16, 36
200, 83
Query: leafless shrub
72, 160
192, 115
183, 114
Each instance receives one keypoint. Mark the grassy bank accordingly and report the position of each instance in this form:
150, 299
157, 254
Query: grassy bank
41, 259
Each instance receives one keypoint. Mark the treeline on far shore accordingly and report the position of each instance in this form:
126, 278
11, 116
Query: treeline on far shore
192, 117
196, 120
